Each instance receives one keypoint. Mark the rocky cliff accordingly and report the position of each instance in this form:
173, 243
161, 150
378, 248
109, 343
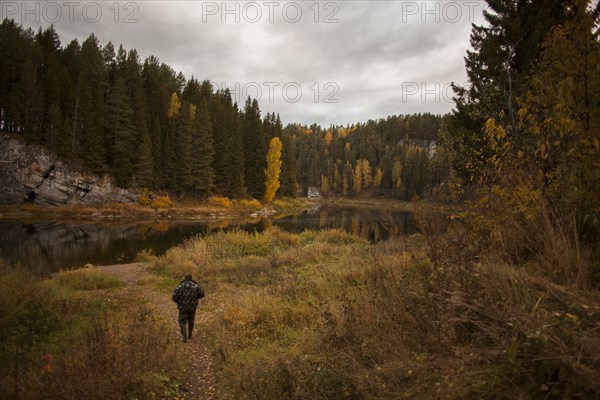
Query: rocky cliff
30, 173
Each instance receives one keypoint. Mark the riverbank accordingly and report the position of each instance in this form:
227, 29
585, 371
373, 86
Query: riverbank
179, 211
387, 204
217, 209
48, 244
326, 315
317, 315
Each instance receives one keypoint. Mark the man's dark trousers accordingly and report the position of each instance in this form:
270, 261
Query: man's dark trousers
186, 317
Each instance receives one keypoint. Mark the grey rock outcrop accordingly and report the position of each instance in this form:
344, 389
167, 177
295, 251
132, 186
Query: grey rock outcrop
314, 193
31, 173
430, 146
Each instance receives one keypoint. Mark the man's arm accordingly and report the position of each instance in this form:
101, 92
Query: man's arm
176, 293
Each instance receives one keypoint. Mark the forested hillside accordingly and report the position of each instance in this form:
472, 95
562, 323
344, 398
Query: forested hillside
151, 126
396, 156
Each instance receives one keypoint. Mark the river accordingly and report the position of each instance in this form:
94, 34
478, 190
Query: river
48, 246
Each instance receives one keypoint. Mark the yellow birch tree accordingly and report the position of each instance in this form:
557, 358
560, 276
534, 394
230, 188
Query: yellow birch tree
328, 138
378, 177
366, 172
174, 106
324, 184
358, 177
273, 169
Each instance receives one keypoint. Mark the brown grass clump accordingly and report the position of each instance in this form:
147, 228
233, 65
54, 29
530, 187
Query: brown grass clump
87, 279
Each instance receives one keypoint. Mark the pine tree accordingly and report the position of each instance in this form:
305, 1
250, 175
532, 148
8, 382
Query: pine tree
192, 92
288, 167
61, 135
337, 176
157, 97
254, 149
50, 114
110, 62
13, 44
348, 179
120, 129
171, 147
31, 95
183, 132
358, 182
219, 132
71, 96
202, 152
91, 144
228, 161
143, 154
237, 186
145, 165
53, 126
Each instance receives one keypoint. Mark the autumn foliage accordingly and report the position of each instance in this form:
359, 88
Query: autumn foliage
273, 169
174, 106
220, 201
534, 174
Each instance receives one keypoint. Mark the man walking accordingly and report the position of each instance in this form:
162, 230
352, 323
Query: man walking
186, 295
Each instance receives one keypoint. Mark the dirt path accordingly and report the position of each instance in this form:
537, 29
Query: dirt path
198, 382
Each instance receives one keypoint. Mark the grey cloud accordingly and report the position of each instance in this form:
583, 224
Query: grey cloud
370, 54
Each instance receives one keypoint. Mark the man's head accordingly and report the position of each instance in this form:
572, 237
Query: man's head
188, 276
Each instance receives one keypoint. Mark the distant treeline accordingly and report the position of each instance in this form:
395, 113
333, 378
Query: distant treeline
152, 127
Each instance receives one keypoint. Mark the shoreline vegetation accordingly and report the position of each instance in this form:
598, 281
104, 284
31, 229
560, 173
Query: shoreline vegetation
387, 204
320, 315
215, 208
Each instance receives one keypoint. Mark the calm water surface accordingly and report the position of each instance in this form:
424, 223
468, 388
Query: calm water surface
48, 246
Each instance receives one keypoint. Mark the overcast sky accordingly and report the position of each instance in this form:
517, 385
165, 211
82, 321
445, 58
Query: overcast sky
329, 62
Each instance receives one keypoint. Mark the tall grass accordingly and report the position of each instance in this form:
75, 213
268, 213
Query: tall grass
325, 315
75, 337
524, 227
87, 279
555, 243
